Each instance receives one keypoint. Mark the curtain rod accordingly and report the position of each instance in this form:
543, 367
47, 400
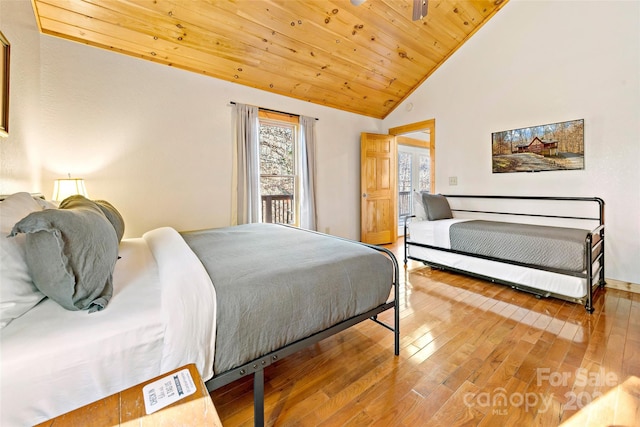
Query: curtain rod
274, 111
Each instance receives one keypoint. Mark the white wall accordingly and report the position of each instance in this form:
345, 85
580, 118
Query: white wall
153, 140
540, 62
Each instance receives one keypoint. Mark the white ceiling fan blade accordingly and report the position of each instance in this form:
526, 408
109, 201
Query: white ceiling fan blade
419, 9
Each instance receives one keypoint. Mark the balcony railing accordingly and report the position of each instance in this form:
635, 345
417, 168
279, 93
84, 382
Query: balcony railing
404, 204
278, 209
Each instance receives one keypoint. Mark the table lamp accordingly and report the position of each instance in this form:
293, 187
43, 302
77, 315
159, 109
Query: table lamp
65, 187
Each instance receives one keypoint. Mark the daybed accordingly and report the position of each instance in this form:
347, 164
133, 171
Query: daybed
230, 300
549, 246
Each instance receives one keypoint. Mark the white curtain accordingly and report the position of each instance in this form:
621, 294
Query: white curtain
246, 203
308, 172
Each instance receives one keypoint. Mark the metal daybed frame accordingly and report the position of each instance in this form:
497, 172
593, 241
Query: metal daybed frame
594, 247
256, 367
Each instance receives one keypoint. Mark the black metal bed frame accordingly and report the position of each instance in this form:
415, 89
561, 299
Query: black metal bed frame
256, 367
594, 247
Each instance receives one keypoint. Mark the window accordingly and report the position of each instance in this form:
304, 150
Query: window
278, 139
414, 173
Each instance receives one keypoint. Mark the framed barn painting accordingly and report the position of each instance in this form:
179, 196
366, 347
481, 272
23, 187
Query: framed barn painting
551, 147
4, 86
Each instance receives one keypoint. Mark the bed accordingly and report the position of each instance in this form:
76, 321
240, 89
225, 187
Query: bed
548, 246
231, 300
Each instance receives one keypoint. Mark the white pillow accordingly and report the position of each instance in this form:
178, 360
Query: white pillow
18, 294
418, 207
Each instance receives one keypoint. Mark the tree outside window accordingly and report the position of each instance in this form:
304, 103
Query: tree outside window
278, 170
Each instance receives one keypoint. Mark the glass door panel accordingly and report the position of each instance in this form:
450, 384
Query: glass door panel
414, 174
424, 171
405, 175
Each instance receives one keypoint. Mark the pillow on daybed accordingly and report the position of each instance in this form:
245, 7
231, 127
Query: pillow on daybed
18, 294
418, 206
436, 206
72, 251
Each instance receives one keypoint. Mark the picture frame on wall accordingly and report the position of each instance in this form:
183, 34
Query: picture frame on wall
5, 49
550, 147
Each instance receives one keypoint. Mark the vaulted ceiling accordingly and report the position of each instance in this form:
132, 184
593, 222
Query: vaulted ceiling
364, 59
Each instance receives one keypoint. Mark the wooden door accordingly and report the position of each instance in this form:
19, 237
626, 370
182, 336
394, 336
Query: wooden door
378, 189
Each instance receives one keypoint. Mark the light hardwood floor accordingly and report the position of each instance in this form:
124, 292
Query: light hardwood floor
472, 353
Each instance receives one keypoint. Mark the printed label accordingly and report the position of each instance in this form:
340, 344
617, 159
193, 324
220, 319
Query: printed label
167, 390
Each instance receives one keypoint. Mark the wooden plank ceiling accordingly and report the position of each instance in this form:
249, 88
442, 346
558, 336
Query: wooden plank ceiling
364, 59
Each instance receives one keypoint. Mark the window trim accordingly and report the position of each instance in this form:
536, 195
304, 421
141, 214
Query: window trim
278, 117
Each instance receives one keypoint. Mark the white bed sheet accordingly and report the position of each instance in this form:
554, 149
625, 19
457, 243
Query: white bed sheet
53, 360
436, 233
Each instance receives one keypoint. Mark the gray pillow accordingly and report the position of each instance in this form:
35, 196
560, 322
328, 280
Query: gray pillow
72, 251
436, 206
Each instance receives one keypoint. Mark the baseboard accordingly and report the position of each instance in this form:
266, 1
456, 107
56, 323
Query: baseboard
623, 286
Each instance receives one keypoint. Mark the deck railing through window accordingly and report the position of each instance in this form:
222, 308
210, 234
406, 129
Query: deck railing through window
278, 209
404, 203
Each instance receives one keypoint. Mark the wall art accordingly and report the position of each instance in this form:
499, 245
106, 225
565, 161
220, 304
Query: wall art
550, 147
4, 86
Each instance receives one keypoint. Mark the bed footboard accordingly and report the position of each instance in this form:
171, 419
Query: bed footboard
594, 243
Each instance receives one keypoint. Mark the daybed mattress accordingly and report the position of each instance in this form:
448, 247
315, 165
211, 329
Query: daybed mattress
54, 360
276, 285
436, 233
560, 248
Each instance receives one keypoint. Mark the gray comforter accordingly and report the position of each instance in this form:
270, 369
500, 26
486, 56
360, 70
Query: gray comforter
551, 247
275, 285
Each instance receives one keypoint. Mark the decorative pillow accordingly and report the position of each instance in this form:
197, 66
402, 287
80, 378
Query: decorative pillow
436, 206
418, 207
71, 252
18, 294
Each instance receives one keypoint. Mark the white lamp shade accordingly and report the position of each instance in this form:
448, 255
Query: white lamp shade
63, 188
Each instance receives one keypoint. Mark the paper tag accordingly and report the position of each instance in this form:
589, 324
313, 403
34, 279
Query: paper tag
167, 390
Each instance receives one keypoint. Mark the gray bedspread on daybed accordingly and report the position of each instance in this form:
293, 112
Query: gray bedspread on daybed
276, 284
552, 247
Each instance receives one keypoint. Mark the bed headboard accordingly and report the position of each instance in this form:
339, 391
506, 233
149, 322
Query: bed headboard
544, 208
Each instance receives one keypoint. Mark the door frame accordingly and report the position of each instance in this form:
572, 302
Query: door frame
425, 125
